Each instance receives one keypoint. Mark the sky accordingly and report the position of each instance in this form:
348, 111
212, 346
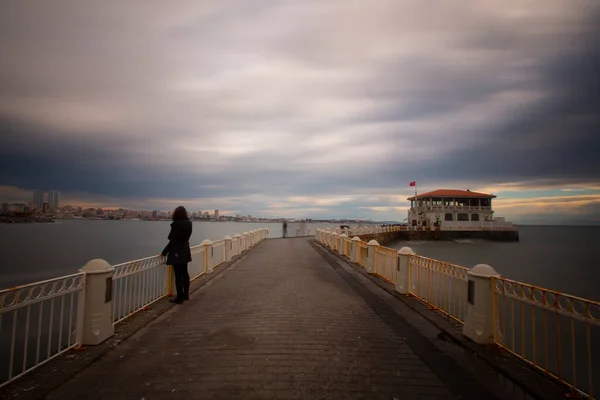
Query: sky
318, 109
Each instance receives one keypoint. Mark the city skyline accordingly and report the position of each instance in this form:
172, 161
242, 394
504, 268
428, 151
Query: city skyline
321, 109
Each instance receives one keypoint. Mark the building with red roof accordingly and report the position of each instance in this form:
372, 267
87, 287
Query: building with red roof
449, 209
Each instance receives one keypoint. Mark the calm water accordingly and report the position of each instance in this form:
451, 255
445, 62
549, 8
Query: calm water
562, 258
559, 258
33, 252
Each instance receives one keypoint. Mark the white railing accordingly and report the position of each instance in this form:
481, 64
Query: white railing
198, 266
42, 320
441, 285
218, 255
137, 284
38, 322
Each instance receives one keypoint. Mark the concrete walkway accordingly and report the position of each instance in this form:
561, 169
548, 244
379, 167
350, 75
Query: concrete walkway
280, 323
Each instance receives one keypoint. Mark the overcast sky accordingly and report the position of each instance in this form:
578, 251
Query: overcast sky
303, 108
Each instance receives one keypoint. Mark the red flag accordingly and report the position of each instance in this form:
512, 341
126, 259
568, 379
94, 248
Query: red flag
413, 183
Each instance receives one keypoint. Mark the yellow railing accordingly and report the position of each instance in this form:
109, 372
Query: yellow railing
551, 331
554, 332
441, 285
361, 253
386, 263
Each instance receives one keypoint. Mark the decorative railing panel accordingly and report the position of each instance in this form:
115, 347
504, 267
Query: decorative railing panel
441, 285
137, 284
386, 263
218, 255
38, 322
554, 332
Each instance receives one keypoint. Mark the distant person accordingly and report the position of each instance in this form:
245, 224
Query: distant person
284, 229
178, 253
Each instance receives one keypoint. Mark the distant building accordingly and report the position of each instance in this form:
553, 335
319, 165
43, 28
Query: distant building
216, 214
53, 199
3, 208
38, 199
50, 197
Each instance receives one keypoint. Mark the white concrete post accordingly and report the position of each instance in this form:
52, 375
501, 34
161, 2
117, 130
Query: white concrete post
208, 255
245, 241
343, 237
236, 244
297, 232
372, 245
479, 321
308, 231
97, 310
228, 248
353, 248
403, 284
335, 237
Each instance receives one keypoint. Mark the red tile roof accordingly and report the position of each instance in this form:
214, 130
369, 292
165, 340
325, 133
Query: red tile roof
452, 193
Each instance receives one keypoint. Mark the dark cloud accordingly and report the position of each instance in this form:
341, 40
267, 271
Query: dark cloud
287, 99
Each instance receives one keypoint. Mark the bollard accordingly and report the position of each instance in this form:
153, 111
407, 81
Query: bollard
97, 319
354, 249
372, 245
403, 284
228, 248
480, 319
236, 244
208, 255
307, 231
342, 246
297, 232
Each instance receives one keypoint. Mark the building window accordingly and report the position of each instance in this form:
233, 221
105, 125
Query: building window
463, 217
449, 217
474, 217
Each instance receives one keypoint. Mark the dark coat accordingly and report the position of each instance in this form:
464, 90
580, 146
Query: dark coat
178, 249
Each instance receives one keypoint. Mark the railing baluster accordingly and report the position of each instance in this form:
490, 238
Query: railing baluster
71, 322
522, 326
589, 354
12, 345
26, 340
574, 355
60, 328
39, 333
558, 344
51, 324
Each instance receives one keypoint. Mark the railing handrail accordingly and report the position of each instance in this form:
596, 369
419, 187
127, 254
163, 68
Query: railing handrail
18, 287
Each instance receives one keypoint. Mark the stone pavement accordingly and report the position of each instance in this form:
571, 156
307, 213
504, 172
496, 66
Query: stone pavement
281, 323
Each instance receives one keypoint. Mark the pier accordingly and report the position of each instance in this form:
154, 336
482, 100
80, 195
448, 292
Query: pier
323, 317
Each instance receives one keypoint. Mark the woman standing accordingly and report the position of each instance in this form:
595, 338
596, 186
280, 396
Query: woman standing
178, 253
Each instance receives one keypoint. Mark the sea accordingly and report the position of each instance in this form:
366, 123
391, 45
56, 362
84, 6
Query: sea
562, 258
